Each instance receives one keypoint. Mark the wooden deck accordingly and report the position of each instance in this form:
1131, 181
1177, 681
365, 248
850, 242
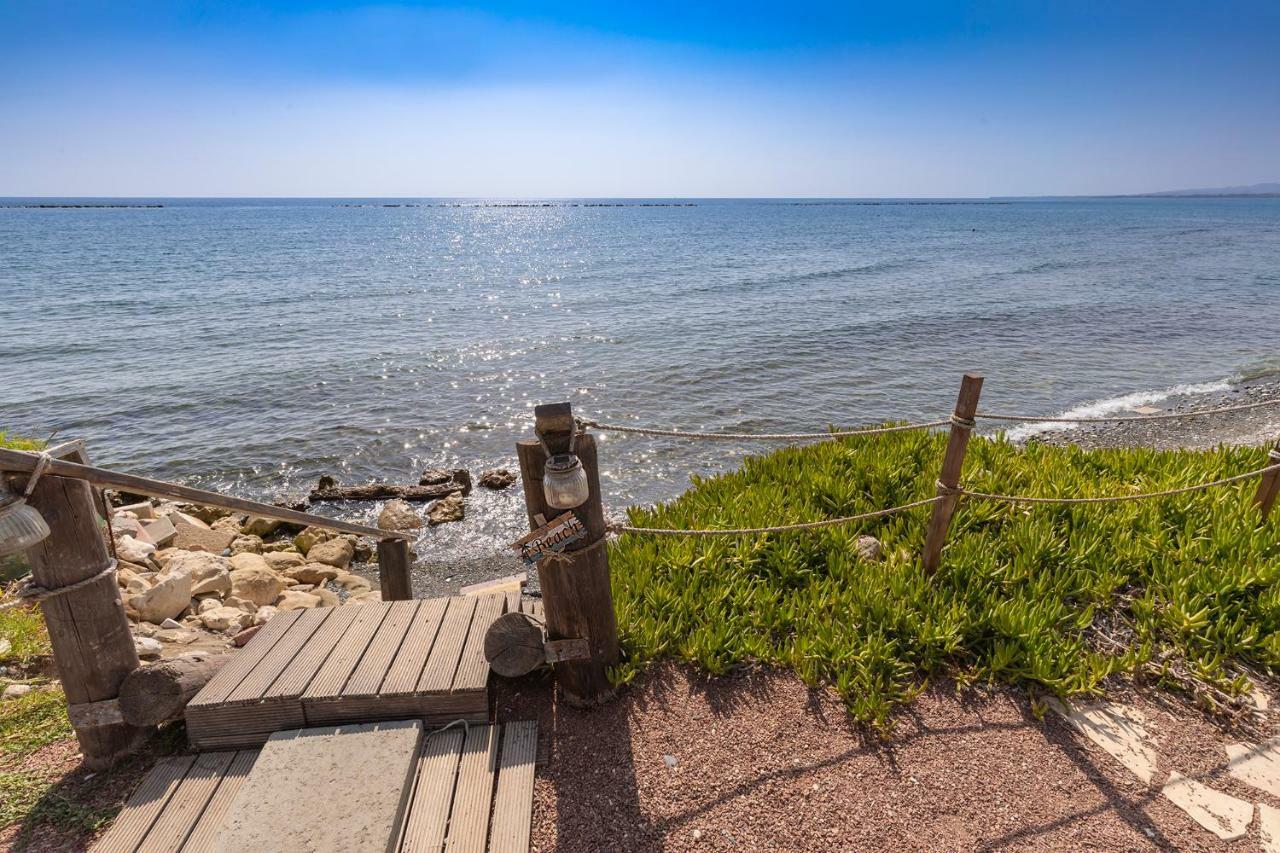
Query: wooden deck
472, 791
394, 660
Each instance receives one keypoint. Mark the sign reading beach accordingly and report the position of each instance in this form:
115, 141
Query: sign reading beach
550, 538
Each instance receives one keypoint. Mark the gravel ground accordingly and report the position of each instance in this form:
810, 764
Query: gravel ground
762, 762
1255, 426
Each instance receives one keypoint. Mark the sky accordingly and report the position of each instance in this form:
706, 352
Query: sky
649, 99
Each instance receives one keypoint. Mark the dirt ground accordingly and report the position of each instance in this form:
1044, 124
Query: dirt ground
760, 762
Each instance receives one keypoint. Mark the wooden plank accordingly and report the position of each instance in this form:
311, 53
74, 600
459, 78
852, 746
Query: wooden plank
497, 586
184, 808
437, 677
22, 461
136, 818
469, 821
210, 823
383, 649
513, 601
433, 793
281, 655
406, 669
513, 802
473, 669
298, 674
346, 654
243, 661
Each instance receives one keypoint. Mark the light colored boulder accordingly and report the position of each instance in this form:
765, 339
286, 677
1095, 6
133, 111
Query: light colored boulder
170, 595
133, 550
264, 614
142, 509
282, 561
229, 523
199, 565
148, 648
328, 598
292, 600
258, 585
161, 532
447, 510
261, 526
314, 573
218, 584
399, 515
191, 537
136, 586
246, 544
229, 619
207, 604
334, 552
310, 537
241, 604
14, 691
368, 597
353, 584
179, 516
280, 545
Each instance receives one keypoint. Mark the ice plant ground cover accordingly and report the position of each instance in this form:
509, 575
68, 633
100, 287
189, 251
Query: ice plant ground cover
1057, 597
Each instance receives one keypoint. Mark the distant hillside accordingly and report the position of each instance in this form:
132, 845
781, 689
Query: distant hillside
1271, 189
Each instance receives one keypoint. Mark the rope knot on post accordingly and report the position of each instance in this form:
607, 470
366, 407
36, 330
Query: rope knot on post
962, 423
1274, 454
946, 491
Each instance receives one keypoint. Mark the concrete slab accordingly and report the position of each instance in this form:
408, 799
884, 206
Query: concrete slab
1258, 766
360, 775
1222, 814
1119, 730
1269, 828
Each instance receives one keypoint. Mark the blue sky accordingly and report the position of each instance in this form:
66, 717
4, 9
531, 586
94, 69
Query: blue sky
648, 99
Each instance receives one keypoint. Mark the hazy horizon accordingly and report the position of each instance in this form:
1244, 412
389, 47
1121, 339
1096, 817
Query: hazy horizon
578, 100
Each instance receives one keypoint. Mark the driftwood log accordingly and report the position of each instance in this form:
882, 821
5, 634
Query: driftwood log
159, 692
383, 491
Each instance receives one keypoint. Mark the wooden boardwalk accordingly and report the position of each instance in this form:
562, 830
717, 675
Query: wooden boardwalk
472, 792
388, 661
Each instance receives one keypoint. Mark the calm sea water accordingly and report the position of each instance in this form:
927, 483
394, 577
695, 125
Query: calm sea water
254, 345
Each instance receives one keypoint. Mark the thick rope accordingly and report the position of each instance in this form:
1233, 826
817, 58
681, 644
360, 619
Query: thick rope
768, 436
30, 593
781, 528
1120, 498
1166, 416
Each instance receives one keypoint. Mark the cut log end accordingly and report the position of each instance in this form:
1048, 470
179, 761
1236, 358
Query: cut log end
159, 693
513, 645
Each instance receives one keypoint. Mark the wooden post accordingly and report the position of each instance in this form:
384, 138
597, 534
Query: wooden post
952, 462
92, 645
1269, 486
576, 593
393, 570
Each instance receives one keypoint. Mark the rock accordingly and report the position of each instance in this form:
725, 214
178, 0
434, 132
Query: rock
142, 629
199, 565
869, 549
256, 526
353, 584
206, 514
240, 604
363, 550
312, 573
130, 549
326, 483
171, 624
229, 523
181, 635
136, 586
125, 525
462, 477
170, 595
13, 691
218, 584
282, 546
245, 636
435, 476
328, 598
207, 604
192, 538
125, 572
148, 648
445, 511
264, 614
398, 515
301, 587
141, 509
498, 478
161, 532
178, 515
229, 619
282, 561
247, 560
162, 557
258, 585
291, 600
246, 544
369, 597
310, 537
334, 552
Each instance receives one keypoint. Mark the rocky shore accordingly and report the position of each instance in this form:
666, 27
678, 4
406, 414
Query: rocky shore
1250, 427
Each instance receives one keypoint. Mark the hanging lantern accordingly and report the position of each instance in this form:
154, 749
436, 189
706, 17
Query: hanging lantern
564, 482
21, 526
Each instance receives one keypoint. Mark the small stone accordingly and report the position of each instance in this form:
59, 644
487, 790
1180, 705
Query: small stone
398, 515
313, 573
367, 597
435, 477
697, 835
229, 523
207, 604
13, 691
328, 598
218, 584
264, 614
497, 479
310, 537
205, 514
168, 598
293, 600
1269, 828
245, 636
670, 760
161, 532
353, 584
334, 552
260, 527
133, 551
181, 635
446, 510
258, 585
282, 561
136, 586
869, 549
6, 646
148, 648
171, 624
246, 544
199, 565
229, 619
191, 537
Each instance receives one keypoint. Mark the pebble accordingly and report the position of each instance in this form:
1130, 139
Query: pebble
13, 691
670, 760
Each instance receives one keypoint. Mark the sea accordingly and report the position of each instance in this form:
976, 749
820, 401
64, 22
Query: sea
252, 345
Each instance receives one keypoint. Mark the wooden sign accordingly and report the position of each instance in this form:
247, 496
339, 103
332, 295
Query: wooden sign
551, 538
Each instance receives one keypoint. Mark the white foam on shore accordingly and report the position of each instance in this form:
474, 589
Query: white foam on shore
1111, 405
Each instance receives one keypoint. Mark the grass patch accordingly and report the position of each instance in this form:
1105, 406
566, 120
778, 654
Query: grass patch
23, 638
32, 721
1024, 595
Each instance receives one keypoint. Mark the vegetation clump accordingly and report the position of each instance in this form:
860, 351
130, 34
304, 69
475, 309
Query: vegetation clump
1058, 597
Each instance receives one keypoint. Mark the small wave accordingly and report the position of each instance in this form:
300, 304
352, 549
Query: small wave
814, 276
1050, 266
1112, 405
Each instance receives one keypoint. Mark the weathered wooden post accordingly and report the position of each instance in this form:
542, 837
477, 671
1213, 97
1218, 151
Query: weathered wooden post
1269, 486
393, 570
92, 644
952, 463
576, 592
